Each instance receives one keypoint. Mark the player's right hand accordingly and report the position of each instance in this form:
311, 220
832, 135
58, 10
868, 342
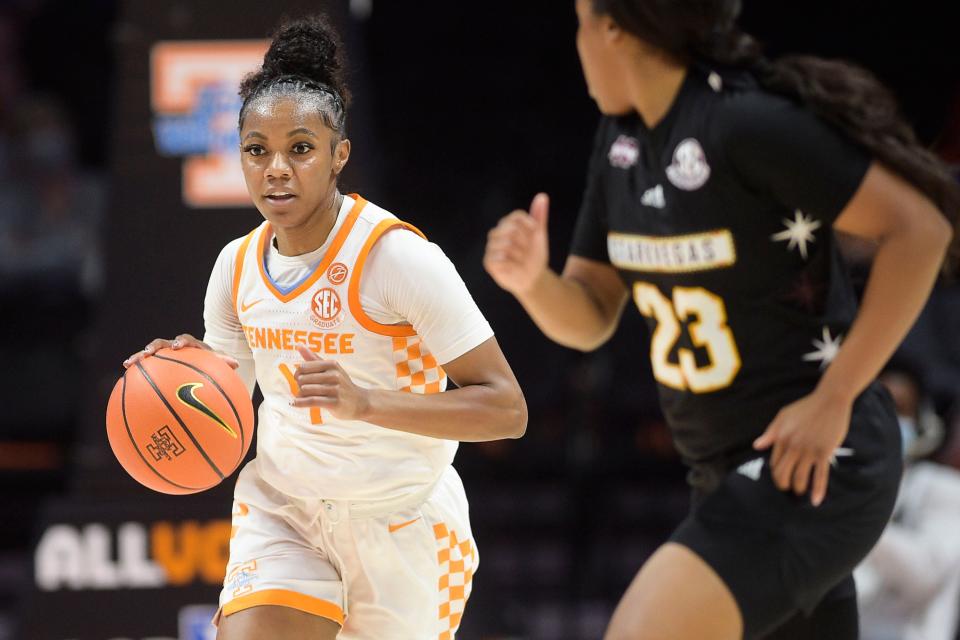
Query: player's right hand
182, 341
517, 249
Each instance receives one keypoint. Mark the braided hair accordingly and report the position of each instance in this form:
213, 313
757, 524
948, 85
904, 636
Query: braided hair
305, 59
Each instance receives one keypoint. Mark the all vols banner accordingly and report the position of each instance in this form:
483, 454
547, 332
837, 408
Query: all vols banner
148, 569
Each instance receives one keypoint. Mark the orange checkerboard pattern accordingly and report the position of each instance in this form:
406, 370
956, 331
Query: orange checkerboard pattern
417, 369
457, 560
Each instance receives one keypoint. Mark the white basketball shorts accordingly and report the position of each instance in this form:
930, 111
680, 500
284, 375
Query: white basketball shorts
401, 569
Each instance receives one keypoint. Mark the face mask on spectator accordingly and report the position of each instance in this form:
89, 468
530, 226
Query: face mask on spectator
908, 433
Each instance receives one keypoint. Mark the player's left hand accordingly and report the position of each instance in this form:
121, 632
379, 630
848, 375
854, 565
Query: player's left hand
324, 383
805, 435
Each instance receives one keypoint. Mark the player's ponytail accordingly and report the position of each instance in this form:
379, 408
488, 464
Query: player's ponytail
305, 56
846, 95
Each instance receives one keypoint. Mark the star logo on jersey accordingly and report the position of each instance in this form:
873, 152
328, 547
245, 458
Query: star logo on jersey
806, 293
798, 233
337, 273
689, 170
826, 347
325, 309
624, 152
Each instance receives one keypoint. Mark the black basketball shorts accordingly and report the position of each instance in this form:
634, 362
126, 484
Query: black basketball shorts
778, 554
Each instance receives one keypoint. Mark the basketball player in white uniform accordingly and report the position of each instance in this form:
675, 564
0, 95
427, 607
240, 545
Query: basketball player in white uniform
351, 521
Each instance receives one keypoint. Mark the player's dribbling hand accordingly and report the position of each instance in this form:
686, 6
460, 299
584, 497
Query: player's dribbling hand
324, 383
182, 341
517, 248
805, 435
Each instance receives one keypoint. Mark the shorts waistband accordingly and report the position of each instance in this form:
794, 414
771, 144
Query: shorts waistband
375, 508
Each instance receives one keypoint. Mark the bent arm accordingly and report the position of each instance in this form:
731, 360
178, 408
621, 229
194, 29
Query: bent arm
222, 330
579, 309
410, 280
912, 237
488, 405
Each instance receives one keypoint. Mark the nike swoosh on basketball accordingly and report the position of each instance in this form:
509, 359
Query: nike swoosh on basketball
187, 394
396, 527
245, 307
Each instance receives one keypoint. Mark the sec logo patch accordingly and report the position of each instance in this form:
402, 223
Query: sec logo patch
337, 273
326, 310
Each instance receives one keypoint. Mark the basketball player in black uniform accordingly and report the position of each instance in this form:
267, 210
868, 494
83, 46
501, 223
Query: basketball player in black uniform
716, 185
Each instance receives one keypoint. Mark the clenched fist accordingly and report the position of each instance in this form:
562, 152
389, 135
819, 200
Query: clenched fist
517, 248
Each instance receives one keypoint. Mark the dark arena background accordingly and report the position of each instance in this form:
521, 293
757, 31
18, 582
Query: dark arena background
115, 198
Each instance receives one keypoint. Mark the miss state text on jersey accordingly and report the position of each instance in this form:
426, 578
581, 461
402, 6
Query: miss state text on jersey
718, 221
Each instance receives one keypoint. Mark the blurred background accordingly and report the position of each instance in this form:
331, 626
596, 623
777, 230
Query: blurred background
118, 189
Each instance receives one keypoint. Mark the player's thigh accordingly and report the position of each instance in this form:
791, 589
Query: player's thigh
258, 623
413, 569
676, 596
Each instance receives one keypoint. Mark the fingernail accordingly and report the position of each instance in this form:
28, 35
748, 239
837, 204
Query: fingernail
176, 344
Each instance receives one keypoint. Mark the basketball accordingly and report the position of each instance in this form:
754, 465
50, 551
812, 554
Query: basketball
180, 421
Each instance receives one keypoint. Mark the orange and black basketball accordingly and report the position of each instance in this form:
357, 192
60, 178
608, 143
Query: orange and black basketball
180, 421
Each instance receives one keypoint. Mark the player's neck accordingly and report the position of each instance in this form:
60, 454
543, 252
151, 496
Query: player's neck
653, 83
309, 236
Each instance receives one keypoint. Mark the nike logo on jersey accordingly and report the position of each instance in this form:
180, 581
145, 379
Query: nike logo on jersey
245, 307
187, 394
396, 527
654, 198
751, 469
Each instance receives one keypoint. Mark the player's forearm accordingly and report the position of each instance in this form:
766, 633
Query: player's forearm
904, 270
473, 413
563, 309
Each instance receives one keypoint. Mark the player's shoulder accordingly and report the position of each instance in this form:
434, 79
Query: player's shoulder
397, 246
751, 106
372, 214
378, 220
745, 111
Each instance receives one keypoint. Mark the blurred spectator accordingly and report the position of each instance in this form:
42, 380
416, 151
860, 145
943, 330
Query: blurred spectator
49, 211
949, 454
909, 585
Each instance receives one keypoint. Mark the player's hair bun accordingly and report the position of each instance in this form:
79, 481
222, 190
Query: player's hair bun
307, 48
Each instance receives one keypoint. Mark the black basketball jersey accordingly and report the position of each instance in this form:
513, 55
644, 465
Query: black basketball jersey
719, 220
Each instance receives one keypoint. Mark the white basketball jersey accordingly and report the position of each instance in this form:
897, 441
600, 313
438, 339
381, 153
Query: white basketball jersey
307, 452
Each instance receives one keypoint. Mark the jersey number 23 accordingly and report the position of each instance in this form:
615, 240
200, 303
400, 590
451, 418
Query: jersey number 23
707, 316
